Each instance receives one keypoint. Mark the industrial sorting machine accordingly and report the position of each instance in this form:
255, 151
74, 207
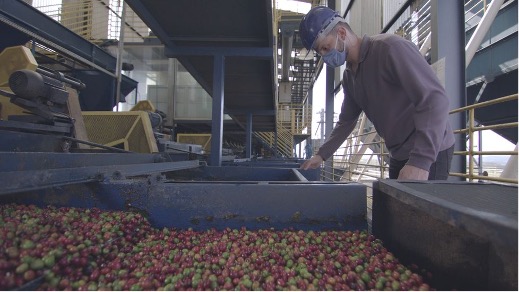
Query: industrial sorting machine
464, 233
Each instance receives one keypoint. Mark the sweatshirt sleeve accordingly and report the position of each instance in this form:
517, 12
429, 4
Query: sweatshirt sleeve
431, 105
347, 120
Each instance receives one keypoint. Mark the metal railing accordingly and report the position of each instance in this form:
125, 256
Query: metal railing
472, 129
282, 143
363, 156
354, 162
349, 166
292, 119
94, 20
295, 117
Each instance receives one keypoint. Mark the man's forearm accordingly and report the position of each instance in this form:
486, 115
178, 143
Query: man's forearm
337, 137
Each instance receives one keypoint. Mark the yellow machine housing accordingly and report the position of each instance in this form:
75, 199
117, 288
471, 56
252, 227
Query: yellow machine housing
199, 139
130, 131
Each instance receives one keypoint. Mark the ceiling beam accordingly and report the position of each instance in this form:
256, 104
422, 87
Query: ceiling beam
251, 111
259, 52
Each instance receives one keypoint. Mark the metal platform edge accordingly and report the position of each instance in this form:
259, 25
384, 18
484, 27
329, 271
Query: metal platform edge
503, 229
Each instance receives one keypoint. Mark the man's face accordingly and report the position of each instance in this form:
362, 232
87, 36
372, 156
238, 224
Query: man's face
324, 45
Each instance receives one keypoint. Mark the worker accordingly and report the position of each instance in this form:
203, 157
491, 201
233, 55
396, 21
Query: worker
388, 79
308, 150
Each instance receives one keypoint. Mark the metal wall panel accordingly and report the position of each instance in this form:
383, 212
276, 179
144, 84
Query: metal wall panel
366, 17
390, 8
341, 6
355, 17
372, 21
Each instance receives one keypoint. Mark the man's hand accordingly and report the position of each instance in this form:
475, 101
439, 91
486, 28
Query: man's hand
409, 172
314, 162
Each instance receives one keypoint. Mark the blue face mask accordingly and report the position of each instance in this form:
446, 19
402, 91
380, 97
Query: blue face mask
334, 58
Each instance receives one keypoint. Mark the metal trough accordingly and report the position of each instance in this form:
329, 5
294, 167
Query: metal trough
465, 234
183, 194
33, 171
244, 173
203, 205
271, 162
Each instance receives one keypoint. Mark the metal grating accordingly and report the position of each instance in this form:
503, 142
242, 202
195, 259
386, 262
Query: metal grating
303, 73
131, 129
102, 129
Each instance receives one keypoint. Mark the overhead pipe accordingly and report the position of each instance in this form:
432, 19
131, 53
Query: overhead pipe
482, 29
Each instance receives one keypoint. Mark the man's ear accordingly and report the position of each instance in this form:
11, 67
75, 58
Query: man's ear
342, 32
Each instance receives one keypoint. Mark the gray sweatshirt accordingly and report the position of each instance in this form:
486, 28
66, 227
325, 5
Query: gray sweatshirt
399, 92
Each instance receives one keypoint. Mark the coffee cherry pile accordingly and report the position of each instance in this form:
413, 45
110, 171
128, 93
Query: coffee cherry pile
90, 249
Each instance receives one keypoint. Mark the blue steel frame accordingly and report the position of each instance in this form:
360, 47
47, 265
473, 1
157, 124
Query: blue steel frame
329, 105
248, 137
256, 52
20, 161
448, 42
243, 173
219, 54
28, 180
217, 114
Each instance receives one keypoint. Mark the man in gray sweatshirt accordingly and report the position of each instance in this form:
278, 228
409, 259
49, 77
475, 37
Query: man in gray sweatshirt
388, 79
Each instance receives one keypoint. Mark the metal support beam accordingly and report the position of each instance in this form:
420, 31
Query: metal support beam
481, 30
426, 45
350, 5
259, 52
217, 113
251, 111
328, 120
150, 20
28, 180
397, 15
510, 169
119, 64
286, 56
330, 89
448, 47
18, 161
248, 137
172, 76
276, 152
310, 96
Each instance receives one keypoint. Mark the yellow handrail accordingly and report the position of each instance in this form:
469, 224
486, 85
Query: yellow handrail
473, 129
485, 103
350, 166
